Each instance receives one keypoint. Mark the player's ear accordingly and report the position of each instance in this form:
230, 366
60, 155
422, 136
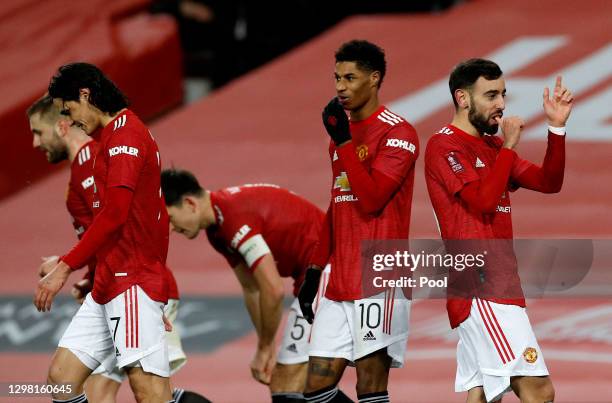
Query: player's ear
462, 97
84, 94
62, 126
374, 78
191, 203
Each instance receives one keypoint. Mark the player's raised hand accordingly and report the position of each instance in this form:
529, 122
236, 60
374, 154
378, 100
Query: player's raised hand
48, 263
49, 286
336, 122
511, 128
558, 108
308, 292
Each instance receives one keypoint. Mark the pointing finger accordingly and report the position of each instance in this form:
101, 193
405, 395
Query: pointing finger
558, 82
546, 95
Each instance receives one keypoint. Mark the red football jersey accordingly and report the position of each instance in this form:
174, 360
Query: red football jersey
129, 157
288, 223
80, 193
454, 158
387, 143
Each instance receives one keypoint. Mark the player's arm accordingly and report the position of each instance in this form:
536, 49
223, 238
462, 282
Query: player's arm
484, 194
82, 217
548, 178
373, 189
271, 308
271, 293
105, 225
319, 259
111, 218
250, 291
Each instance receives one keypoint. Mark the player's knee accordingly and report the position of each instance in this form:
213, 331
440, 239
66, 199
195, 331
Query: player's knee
55, 375
546, 392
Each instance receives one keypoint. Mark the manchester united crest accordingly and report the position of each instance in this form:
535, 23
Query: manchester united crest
530, 355
362, 152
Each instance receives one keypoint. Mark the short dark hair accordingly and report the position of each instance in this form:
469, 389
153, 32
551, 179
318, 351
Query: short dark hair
366, 55
45, 107
466, 73
70, 78
177, 183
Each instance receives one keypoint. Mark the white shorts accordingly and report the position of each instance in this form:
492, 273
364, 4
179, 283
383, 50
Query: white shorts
176, 354
127, 331
294, 346
354, 329
496, 342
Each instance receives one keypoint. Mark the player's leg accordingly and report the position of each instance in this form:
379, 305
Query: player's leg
102, 385
85, 344
288, 382
331, 348
68, 372
149, 387
533, 389
380, 335
373, 376
477, 395
136, 322
289, 375
177, 357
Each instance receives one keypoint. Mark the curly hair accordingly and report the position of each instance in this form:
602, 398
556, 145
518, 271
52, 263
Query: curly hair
104, 94
366, 55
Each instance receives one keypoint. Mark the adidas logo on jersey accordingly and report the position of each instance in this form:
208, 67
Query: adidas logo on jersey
292, 347
369, 336
389, 117
84, 155
120, 122
479, 163
335, 158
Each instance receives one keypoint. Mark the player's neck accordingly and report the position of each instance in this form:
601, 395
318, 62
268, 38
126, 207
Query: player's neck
366, 110
463, 123
74, 144
207, 217
106, 118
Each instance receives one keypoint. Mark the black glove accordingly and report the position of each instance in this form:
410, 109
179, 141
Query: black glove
308, 291
336, 122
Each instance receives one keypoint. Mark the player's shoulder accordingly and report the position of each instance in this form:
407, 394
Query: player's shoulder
393, 121
85, 156
128, 124
445, 136
398, 131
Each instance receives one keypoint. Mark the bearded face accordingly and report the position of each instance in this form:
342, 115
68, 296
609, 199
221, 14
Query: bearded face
482, 122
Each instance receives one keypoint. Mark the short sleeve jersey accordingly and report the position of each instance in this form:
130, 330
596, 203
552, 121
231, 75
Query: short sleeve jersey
387, 143
247, 215
129, 157
453, 159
